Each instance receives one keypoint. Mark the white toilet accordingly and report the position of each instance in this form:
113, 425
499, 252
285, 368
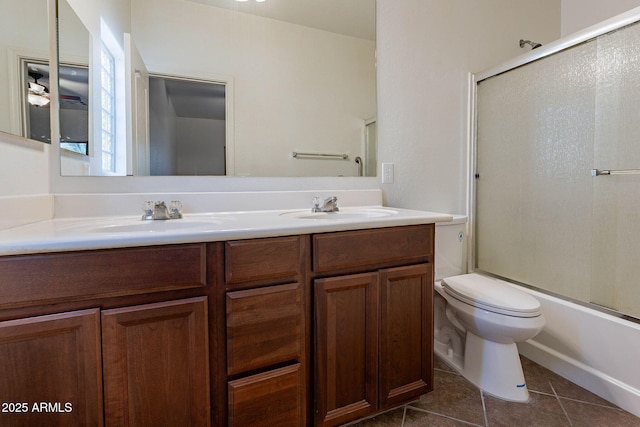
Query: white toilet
478, 321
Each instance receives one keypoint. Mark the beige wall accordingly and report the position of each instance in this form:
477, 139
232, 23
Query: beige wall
580, 14
426, 50
24, 166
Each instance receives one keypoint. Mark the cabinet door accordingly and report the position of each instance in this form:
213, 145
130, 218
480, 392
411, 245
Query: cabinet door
406, 333
156, 363
346, 313
50, 370
269, 399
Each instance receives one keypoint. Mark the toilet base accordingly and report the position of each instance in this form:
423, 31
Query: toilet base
495, 368
448, 356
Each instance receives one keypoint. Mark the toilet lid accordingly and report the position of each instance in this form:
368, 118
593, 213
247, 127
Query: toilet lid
491, 294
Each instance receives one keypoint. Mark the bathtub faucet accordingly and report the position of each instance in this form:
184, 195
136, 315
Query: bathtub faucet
159, 210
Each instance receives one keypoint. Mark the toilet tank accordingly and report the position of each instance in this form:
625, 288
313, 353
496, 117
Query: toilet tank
451, 247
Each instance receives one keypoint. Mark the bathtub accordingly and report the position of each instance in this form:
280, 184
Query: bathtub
595, 350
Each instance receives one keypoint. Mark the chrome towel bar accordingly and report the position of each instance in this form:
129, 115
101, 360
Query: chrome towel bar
297, 155
598, 172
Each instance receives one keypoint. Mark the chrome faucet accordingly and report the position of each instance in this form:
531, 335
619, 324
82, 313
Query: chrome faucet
330, 204
159, 210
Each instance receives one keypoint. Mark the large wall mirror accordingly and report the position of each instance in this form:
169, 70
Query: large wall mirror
24, 77
219, 87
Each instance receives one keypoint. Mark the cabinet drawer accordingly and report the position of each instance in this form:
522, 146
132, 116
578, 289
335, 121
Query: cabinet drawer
264, 327
335, 251
269, 399
259, 259
29, 280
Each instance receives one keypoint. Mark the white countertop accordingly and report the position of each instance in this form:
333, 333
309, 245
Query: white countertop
85, 233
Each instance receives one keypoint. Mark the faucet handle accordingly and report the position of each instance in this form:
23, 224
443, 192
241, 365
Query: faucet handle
147, 207
175, 209
316, 204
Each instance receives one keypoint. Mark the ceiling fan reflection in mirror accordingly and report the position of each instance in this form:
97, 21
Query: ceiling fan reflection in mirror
38, 93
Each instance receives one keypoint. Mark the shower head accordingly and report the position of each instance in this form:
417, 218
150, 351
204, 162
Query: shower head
530, 43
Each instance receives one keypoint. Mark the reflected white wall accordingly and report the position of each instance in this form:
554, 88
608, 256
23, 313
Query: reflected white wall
295, 88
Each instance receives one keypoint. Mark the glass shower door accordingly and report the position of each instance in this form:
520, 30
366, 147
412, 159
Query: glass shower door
534, 155
615, 272
542, 218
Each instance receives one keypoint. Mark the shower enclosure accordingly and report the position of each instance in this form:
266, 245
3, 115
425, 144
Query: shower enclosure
557, 170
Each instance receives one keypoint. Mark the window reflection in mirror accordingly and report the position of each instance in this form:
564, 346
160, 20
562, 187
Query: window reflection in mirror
23, 37
297, 86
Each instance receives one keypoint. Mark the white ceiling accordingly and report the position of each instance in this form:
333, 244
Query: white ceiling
355, 18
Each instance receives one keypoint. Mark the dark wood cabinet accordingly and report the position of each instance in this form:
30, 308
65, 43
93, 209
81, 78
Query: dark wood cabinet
148, 364
71, 277
266, 332
51, 371
374, 330
406, 334
126, 343
272, 398
156, 362
346, 352
264, 327
296, 330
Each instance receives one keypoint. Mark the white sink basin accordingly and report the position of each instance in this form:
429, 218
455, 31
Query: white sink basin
131, 225
343, 214
153, 226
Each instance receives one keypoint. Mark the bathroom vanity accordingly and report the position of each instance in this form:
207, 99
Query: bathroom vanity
280, 328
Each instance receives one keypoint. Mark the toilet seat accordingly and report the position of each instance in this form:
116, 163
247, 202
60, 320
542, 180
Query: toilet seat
492, 295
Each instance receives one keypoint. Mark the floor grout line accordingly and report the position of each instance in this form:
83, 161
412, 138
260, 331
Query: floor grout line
484, 409
543, 393
442, 415
590, 403
560, 403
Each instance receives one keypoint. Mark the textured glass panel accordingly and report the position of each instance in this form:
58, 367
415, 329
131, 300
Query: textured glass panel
106, 142
106, 121
616, 208
542, 219
535, 137
106, 161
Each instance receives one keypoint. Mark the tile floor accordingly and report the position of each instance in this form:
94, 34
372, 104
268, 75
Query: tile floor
554, 402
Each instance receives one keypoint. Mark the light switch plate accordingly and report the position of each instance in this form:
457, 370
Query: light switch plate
387, 173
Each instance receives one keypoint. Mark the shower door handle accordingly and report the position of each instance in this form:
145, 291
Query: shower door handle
598, 172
